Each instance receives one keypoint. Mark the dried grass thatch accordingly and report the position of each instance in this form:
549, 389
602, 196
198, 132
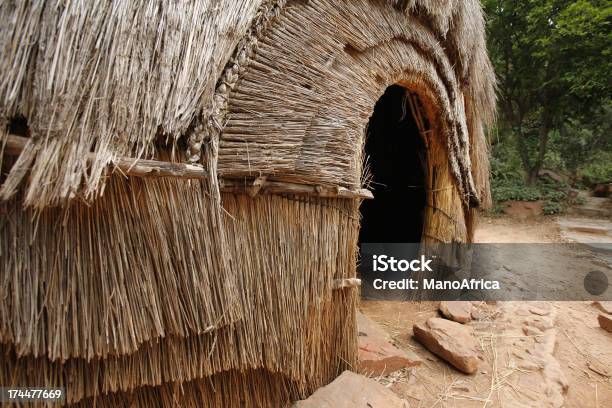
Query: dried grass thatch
159, 291
286, 254
299, 110
88, 281
109, 77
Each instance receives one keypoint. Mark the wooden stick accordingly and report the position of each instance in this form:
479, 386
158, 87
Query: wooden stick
261, 185
129, 166
264, 186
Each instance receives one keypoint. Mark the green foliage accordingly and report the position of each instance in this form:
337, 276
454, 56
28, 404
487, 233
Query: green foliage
579, 200
584, 144
597, 170
551, 208
508, 183
542, 190
553, 59
516, 191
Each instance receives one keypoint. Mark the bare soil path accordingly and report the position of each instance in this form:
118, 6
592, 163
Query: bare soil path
569, 364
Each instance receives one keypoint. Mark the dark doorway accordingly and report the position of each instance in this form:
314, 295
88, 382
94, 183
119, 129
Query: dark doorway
396, 156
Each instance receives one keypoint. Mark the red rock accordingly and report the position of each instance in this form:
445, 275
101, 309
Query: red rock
458, 311
477, 314
352, 390
451, 341
376, 354
605, 321
523, 209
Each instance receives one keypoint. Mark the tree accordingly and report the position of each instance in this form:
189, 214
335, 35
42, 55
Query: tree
553, 61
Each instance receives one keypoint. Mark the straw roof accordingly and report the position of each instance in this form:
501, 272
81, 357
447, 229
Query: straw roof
299, 110
119, 78
108, 77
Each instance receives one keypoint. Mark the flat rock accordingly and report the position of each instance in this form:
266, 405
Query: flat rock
531, 331
352, 390
376, 354
451, 341
458, 311
540, 310
605, 321
603, 306
541, 322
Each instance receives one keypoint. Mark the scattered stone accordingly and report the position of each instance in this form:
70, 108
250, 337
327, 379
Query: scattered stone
458, 311
602, 190
522, 312
523, 209
527, 362
546, 343
531, 331
351, 390
541, 322
589, 229
477, 314
603, 306
462, 386
540, 310
605, 322
376, 354
449, 340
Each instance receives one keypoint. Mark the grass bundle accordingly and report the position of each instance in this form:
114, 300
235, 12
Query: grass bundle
285, 252
89, 281
110, 78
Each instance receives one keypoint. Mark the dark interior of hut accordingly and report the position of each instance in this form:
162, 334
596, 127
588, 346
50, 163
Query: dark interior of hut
395, 155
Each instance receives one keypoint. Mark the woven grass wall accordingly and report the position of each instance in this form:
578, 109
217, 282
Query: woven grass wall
284, 253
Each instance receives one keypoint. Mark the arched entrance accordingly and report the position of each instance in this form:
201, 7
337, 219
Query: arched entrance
396, 162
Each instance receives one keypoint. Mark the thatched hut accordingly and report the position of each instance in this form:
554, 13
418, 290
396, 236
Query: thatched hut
181, 184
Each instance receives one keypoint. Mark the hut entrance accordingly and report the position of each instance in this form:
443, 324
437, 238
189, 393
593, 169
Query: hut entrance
396, 159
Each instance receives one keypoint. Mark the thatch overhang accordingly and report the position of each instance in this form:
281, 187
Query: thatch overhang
97, 88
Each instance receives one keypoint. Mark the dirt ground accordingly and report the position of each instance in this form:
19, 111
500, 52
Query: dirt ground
575, 371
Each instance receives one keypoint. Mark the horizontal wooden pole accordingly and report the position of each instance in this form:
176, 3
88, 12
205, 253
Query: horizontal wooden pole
156, 168
128, 166
261, 185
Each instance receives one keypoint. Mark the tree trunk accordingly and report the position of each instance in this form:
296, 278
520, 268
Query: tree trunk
534, 171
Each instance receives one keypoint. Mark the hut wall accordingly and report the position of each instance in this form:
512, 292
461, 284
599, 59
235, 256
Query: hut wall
90, 281
250, 388
112, 78
446, 218
284, 252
